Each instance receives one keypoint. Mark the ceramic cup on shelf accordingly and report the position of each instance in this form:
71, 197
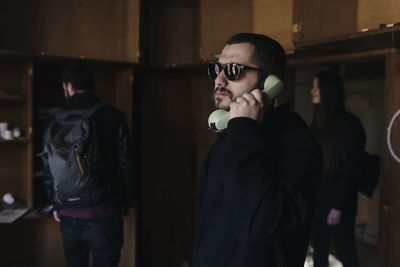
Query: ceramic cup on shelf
8, 198
8, 135
3, 128
16, 132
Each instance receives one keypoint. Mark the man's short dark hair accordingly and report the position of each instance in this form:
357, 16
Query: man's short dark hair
268, 54
80, 77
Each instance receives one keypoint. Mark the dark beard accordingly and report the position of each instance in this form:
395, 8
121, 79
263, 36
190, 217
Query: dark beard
214, 101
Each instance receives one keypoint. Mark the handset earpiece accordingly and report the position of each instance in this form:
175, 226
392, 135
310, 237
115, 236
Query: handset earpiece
273, 86
218, 120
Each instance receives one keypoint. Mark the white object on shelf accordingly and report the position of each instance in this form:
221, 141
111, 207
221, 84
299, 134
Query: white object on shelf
8, 198
3, 128
16, 132
7, 135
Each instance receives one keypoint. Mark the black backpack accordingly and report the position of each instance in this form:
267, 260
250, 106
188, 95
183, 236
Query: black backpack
71, 149
370, 175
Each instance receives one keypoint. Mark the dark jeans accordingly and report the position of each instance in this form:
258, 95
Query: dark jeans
102, 237
343, 238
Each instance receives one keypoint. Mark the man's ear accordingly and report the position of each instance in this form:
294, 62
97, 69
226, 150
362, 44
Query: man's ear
64, 86
70, 88
261, 80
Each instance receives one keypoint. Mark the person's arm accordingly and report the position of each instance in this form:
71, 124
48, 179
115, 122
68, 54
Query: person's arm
351, 149
125, 161
261, 205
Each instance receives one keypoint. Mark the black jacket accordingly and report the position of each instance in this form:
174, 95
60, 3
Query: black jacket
338, 188
255, 193
115, 151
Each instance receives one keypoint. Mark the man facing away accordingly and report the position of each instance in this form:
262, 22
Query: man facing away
258, 180
95, 226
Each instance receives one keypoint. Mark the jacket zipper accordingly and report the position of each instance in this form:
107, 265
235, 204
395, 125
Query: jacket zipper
78, 160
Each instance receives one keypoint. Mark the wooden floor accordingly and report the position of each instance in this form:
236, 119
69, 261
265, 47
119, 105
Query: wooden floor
367, 254
37, 242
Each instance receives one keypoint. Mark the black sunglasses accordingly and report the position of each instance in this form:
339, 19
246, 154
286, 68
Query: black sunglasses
232, 70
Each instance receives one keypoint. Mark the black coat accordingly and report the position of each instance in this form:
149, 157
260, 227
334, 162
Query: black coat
115, 150
255, 193
338, 189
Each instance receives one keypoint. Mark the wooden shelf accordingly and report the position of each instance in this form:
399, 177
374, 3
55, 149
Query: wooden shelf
388, 37
358, 46
13, 100
378, 39
22, 140
7, 55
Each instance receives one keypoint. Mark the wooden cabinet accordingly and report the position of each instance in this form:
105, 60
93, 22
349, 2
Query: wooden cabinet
96, 29
317, 20
218, 21
170, 34
15, 110
274, 18
371, 13
180, 33
174, 141
30, 90
191, 32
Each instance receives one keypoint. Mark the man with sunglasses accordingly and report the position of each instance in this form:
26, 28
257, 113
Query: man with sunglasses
258, 180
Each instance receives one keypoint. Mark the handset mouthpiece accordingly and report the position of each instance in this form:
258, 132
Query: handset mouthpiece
218, 120
273, 86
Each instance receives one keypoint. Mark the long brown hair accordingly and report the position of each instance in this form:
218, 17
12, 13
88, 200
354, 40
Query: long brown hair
326, 113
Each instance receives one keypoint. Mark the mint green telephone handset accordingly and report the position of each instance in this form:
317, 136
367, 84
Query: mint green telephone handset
218, 120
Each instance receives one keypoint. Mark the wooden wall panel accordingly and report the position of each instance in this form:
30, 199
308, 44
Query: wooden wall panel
170, 35
168, 187
389, 233
371, 13
175, 106
320, 20
124, 93
219, 20
18, 19
99, 29
16, 155
105, 84
184, 34
274, 18
11, 165
202, 89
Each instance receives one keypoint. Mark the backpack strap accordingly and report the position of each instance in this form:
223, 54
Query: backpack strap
62, 114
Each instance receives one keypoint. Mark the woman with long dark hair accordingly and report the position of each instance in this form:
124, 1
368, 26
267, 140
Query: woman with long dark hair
342, 139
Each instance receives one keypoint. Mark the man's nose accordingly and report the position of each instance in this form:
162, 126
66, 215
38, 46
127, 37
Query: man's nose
221, 80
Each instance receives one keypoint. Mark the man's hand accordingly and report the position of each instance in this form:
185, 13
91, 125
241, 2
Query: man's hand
55, 216
334, 217
248, 105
